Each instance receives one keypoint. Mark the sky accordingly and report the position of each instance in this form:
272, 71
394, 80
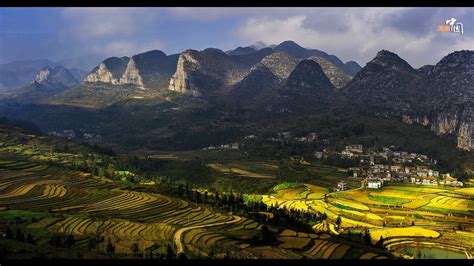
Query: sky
349, 33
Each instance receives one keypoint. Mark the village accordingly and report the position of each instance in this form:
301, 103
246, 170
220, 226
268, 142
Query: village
376, 168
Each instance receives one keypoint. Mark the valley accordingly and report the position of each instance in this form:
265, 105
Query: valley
268, 152
52, 191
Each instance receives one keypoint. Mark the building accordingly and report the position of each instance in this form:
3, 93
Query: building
451, 181
357, 148
341, 185
346, 153
395, 168
318, 155
374, 183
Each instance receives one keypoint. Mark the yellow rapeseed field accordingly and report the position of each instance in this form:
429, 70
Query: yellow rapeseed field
414, 231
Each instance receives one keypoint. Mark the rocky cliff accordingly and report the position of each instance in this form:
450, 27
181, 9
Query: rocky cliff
150, 70
131, 75
182, 81
57, 75
101, 74
210, 71
440, 97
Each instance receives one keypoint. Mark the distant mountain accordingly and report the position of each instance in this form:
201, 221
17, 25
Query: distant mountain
259, 45
297, 51
20, 73
351, 68
256, 88
206, 72
47, 82
440, 96
250, 59
384, 83
241, 50
293, 49
58, 75
286, 79
280, 64
307, 89
79, 74
337, 76
247, 49
109, 71
308, 78
155, 68
150, 70
84, 62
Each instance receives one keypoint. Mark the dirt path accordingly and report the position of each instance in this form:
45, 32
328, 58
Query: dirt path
179, 234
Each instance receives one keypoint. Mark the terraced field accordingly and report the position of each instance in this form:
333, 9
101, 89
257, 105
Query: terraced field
86, 207
395, 212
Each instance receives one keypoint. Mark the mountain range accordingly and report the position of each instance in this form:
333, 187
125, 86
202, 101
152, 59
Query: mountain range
18, 74
284, 78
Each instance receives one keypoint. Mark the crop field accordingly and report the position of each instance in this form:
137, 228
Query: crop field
249, 170
69, 202
43, 199
396, 213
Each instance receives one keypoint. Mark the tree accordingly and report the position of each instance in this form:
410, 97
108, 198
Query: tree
92, 244
182, 256
338, 221
8, 232
69, 241
110, 249
19, 235
169, 253
135, 249
324, 217
267, 236
55, 240
380, 242
30, 240
205, 197
367, 237
110, 171
231, 198
102, 172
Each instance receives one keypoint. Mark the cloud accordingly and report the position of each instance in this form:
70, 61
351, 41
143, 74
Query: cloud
359, 34
92, 22
109, 31
209, 14
127, 48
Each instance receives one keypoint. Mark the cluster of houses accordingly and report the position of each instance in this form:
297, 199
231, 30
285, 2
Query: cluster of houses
392, 166
233, 146
67, 133
309, 138
71, 134
286, 136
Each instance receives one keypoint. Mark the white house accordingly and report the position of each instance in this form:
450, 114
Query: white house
374, 183
357, 148
342, 185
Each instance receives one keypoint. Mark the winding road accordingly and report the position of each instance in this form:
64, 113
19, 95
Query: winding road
179, 234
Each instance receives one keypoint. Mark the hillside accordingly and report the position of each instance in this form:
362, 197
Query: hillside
88, 203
